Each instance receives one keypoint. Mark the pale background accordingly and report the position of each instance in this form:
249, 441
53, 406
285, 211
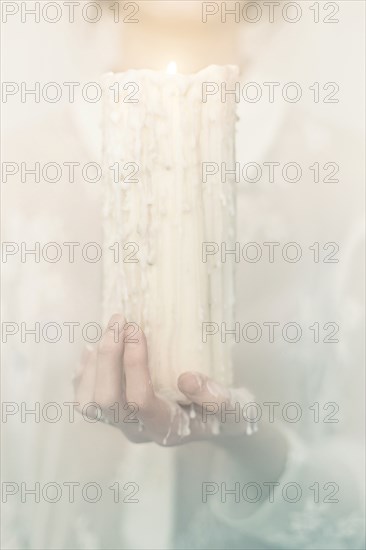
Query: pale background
305, 292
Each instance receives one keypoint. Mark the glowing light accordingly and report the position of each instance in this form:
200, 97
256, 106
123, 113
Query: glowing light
171, 68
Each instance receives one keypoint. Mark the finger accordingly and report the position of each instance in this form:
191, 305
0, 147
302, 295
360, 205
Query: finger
201, 389
85, 384
109, 375
139, 389
159, 416
80, 366
220, 408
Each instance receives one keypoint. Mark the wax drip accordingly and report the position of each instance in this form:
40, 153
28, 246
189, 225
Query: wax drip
169, 212
248, 408
251, 428
215, 425
177, 414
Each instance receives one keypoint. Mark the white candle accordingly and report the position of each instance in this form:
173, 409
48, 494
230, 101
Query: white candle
169, 213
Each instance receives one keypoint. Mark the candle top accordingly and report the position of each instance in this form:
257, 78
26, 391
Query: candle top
211, 71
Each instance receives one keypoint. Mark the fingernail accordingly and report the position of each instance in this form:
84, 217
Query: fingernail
190, 382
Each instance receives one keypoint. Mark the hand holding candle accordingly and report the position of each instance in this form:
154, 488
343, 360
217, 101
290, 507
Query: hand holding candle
116, 376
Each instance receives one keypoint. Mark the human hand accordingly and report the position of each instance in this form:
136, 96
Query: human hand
115, 376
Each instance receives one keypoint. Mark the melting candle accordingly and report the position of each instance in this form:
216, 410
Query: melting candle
168, 219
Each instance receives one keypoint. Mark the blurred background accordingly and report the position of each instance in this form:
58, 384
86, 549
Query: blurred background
170, 512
